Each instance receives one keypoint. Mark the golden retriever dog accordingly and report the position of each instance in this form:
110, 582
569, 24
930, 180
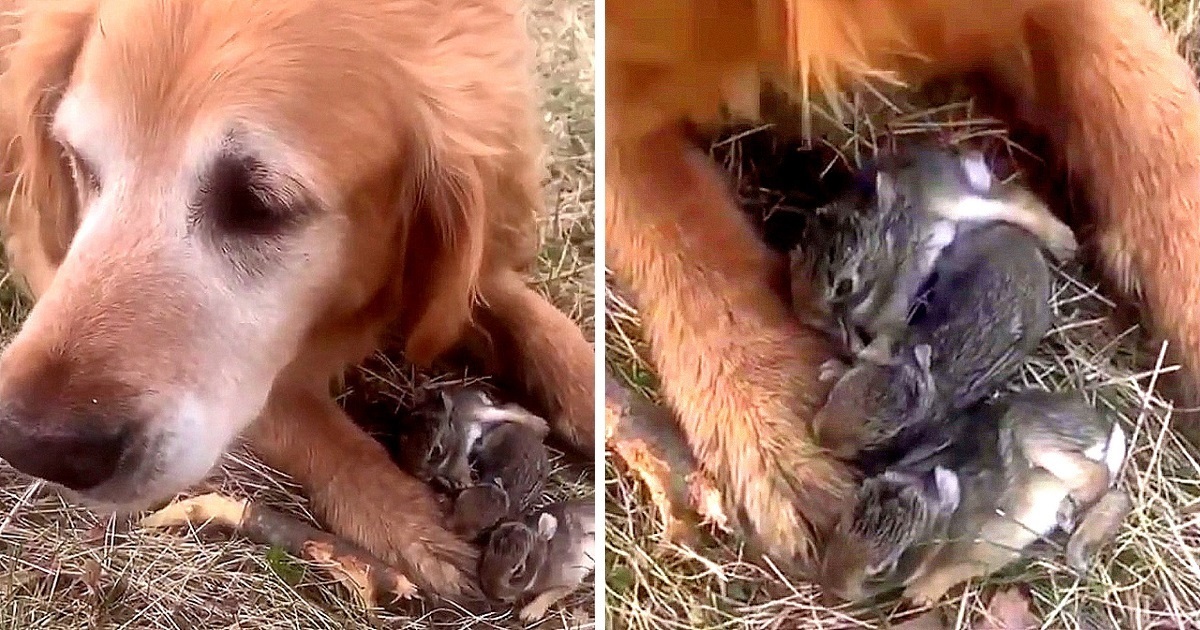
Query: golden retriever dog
1099, 79
220, 205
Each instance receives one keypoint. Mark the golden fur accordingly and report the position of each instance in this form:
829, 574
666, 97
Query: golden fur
394, 141
1098, 77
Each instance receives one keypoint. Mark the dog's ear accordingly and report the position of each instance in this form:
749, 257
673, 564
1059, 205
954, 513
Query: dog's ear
40, 217
444, 251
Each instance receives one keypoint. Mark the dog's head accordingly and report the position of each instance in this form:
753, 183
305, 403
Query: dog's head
214, 186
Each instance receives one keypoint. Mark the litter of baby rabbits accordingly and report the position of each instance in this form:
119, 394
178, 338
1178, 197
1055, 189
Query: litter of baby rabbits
956, 485
1144, 576
491, 463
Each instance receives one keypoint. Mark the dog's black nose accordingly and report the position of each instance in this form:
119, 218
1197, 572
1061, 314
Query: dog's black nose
79, 456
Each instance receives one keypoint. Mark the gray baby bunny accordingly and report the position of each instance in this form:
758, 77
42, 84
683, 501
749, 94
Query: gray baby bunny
541, 559
868, 254
491, 456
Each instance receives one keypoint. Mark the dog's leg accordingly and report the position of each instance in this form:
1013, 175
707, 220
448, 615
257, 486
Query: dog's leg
540, 349
359, 493
736, 365
1122, 106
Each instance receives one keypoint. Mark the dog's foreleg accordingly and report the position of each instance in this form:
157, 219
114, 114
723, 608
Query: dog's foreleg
358, 493
540, 350
736, 366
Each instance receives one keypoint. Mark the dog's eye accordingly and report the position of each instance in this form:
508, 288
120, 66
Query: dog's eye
235, 198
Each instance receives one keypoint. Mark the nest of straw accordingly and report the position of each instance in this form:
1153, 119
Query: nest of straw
65, 567
1148, 577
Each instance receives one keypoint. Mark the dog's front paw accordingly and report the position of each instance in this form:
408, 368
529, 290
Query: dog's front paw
788, 486
397, 518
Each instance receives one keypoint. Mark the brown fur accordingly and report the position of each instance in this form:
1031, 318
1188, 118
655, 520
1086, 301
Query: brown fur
1099, 77
406, 131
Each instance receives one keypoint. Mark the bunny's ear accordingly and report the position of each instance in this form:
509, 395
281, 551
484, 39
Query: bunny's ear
949, 491
979, 176
495, 415
447, 400
885, 190
547, 525
923, 353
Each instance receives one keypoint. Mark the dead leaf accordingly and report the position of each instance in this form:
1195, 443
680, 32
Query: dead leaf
1008, 610
707, 501
648, 441
364, 575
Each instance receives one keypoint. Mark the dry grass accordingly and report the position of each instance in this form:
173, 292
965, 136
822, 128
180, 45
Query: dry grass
64, 567
1150, 577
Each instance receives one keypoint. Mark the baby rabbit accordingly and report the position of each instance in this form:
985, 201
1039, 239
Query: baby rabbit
986, 307
542, 559
1016, 462
1054, 448
512, 456
894, 516
868, 254
491, 456
870, 403
465, 417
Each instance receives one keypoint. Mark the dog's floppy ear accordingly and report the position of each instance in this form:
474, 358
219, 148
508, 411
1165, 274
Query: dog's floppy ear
444, 250
40, 216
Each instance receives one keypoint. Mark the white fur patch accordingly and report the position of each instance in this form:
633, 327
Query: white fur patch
547, 525
973, 208
80, 123
195, 443
885, 190
949, 492
978, 173
495, 414
943, 234
99, 212
1046, 497
474, 432
1114, 456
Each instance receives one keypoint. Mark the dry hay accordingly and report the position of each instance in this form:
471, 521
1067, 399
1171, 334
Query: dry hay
1148, 578
63, 567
